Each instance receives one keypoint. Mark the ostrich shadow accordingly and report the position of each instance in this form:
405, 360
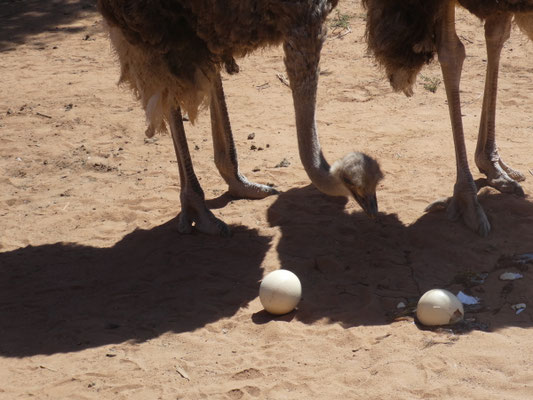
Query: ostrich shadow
66, 297
20, 19
355, 271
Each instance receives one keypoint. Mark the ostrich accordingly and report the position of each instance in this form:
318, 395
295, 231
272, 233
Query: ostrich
171, 54
404, 35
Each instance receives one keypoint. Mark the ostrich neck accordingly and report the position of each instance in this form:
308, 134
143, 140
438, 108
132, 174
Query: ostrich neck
316, 166
302, 56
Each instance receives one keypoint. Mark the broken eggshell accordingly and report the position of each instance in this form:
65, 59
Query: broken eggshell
518, 308
439, 307
466, 299
510, 276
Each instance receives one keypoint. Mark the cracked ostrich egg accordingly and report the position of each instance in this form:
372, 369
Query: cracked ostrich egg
280, 292
439, 307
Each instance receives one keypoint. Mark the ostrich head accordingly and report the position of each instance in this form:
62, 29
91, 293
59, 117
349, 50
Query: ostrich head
359, 174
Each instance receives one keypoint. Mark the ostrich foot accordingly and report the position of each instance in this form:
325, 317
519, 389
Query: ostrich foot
500, 176
203, 219
465, 206
514, 174
242, 188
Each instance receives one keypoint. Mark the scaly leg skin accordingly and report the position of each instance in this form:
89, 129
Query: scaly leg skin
225, 152
451, 53
499, 175
193, 208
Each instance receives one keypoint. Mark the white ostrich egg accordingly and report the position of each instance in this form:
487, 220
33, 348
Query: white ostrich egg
439, 307
280, 291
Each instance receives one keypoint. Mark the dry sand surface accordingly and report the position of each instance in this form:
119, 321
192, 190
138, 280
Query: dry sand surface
101, 298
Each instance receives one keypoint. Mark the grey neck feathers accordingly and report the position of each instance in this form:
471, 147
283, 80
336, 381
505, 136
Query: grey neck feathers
324, 177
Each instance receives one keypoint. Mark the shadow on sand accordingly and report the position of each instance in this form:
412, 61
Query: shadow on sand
20, 19
66, 297
355, 271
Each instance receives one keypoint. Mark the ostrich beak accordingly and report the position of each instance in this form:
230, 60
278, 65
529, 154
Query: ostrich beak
368, 203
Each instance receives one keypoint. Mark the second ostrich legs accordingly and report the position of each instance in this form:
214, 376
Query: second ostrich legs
405, 35
499, 175
464, 203
451, 54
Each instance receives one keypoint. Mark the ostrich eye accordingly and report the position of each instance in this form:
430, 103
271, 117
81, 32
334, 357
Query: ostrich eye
346, 181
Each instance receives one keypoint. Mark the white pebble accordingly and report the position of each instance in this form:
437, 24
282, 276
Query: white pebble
510, 276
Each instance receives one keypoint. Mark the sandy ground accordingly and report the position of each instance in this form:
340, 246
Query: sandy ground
101, 298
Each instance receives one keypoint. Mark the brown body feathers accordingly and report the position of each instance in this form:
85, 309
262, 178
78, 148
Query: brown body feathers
169, 50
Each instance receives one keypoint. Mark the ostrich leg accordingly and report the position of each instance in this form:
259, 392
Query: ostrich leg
193, 208
499, 175
225, 152
464, 203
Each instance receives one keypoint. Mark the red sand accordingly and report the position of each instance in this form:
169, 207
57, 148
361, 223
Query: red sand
101, 298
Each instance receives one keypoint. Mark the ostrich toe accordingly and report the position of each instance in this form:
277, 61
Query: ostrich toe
242, 188
203, 219
500, 176
466, 207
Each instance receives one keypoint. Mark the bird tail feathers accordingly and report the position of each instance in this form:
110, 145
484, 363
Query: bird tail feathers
400, 35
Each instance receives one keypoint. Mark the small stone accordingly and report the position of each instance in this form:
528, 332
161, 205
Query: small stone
510, 276
518, 308
283, 163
